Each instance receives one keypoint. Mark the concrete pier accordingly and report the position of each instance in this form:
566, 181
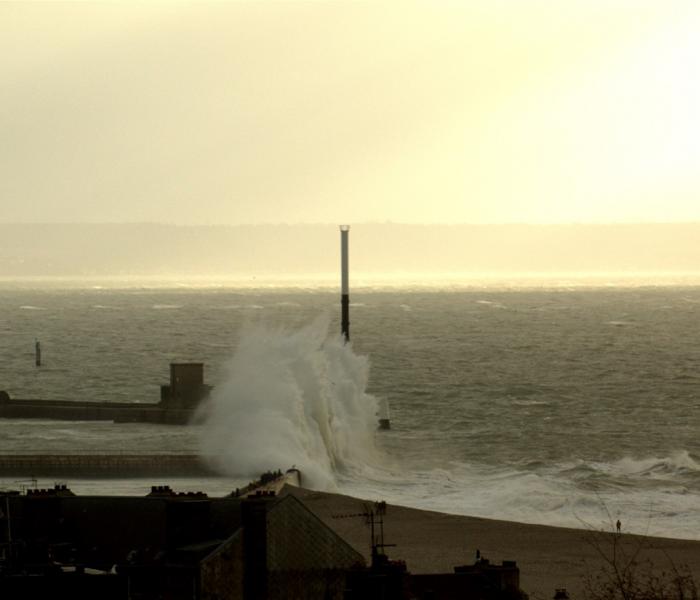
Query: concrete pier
178, 404
103, 465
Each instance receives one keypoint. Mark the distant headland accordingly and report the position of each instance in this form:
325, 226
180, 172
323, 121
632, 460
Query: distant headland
299, 251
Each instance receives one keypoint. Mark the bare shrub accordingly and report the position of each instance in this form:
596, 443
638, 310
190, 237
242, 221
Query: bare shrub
627, 574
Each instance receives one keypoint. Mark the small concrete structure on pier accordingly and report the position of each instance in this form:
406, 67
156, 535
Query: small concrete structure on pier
186, 389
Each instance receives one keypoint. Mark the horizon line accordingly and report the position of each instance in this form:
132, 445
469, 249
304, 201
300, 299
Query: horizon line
351, 223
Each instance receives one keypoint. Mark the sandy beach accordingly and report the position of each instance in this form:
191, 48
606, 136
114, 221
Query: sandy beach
548, 557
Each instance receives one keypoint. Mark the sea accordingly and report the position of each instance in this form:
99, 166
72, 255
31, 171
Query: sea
559, 404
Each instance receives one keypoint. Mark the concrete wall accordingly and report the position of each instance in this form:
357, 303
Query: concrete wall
186, 374
24, 466
94, 411
178, 403
187, 388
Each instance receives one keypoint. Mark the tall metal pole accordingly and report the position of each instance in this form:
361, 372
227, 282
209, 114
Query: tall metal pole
344, 285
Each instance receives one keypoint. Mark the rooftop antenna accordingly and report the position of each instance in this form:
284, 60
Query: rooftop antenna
373, 514
344, 285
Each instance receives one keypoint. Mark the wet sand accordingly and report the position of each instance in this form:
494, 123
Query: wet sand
548, 557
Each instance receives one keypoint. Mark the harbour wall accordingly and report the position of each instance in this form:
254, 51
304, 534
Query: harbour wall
178, 403
103, 465
122, 412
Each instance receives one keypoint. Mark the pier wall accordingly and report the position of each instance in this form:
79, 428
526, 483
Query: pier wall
93, 411
103, 465
178, 404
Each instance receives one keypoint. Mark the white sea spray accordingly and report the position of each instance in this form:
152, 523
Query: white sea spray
291, 398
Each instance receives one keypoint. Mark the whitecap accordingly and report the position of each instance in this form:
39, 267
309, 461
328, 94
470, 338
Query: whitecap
523, 402
491, 304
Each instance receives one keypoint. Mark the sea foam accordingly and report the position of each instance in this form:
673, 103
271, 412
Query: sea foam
292, 398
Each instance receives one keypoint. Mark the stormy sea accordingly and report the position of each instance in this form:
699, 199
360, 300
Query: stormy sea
563, 405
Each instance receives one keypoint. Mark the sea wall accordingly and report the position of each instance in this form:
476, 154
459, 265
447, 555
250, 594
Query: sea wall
102, 465
92, 411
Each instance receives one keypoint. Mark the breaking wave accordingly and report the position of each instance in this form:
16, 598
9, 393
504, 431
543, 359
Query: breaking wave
292, 398
652, 496
678, 463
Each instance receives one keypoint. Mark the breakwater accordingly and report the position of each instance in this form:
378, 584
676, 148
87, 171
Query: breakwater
93, 411
103, 465
178, 403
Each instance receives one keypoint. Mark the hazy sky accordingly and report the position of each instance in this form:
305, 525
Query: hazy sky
439, 112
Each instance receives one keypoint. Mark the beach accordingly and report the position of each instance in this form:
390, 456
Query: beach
548, 557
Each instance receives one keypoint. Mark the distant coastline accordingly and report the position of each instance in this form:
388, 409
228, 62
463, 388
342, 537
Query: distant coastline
259, 255
362, 282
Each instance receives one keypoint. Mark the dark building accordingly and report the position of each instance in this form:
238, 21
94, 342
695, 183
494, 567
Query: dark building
168, 545
388, 579
480, 581
188, 546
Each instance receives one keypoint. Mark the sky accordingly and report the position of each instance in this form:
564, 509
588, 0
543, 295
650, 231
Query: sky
482, 111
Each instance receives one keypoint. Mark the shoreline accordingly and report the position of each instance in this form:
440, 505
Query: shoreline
549, 557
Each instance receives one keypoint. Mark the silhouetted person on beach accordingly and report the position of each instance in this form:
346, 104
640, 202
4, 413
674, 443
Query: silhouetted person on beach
619, 526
